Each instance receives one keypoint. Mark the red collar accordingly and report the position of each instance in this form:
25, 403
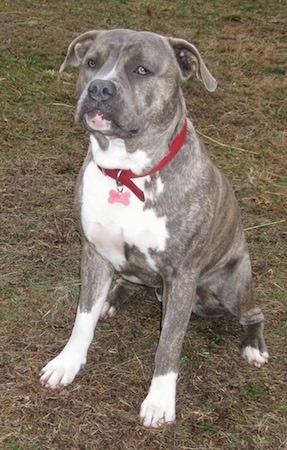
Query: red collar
123, 177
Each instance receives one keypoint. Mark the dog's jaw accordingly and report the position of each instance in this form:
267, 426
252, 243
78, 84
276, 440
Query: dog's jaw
97, 117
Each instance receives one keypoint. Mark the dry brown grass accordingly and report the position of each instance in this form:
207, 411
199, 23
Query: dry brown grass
222, 403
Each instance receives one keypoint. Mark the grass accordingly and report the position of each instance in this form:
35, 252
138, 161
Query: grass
222, 403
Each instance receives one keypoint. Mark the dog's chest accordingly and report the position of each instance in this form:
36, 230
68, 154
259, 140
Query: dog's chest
111, 223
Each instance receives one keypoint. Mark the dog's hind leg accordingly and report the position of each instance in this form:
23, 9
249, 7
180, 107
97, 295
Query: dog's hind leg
120, 293
230, 290
96, 280
253, 347
206, 304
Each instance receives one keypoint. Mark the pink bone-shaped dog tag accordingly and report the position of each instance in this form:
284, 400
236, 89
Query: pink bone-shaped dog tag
119, 197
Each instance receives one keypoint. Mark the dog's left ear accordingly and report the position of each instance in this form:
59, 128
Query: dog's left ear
190, 62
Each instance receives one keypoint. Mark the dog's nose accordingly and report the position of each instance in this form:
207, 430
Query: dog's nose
101, 90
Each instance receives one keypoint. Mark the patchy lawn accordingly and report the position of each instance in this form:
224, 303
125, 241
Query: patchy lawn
222, 403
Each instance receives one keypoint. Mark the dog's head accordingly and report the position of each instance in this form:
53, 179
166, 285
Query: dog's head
130, 81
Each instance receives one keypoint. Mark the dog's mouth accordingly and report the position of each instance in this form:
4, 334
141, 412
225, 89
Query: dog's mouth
96, 121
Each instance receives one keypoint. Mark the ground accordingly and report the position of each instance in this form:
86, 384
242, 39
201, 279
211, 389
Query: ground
222, 403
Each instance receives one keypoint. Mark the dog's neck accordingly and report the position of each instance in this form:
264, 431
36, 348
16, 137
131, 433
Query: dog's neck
116, 156
122, 166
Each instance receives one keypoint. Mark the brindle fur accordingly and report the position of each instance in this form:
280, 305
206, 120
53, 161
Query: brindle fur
205, 267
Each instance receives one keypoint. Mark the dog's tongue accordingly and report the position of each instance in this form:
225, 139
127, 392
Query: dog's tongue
98, 122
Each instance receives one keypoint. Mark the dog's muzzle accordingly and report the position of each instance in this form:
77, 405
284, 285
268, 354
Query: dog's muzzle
101, 109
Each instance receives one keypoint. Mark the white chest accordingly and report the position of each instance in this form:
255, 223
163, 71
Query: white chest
109, 226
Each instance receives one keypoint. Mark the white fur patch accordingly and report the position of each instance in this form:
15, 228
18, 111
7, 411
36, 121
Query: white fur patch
110, 226
159, 187
108, 311
117, 157
62, 370
254, 357
159, 405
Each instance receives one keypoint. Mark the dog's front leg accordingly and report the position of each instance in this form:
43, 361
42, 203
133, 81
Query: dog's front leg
96, 277
159, 405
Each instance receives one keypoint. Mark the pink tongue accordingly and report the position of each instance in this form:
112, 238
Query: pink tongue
98, 121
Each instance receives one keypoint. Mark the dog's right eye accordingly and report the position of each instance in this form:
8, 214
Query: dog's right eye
91, 63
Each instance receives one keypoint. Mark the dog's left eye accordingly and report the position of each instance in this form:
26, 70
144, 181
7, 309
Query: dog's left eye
91, 63
141, 70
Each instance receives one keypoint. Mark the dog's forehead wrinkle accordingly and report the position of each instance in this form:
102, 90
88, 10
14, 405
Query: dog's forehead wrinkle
102, 53
133, 44
125, 36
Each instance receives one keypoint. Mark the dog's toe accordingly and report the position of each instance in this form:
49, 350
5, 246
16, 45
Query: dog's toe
108, 311
155, 415
52, 378
60, 372
254, 357
158, 407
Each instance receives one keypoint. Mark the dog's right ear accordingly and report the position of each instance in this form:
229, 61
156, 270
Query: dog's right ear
78, 48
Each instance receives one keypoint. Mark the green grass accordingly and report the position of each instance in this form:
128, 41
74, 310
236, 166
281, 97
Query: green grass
253, 391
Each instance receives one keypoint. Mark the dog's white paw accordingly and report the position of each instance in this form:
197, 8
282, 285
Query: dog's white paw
61, 370
155, 414
254, 357
158, 407
108, 311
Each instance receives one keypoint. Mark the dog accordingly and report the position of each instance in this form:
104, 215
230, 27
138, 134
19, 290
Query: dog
152, 207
